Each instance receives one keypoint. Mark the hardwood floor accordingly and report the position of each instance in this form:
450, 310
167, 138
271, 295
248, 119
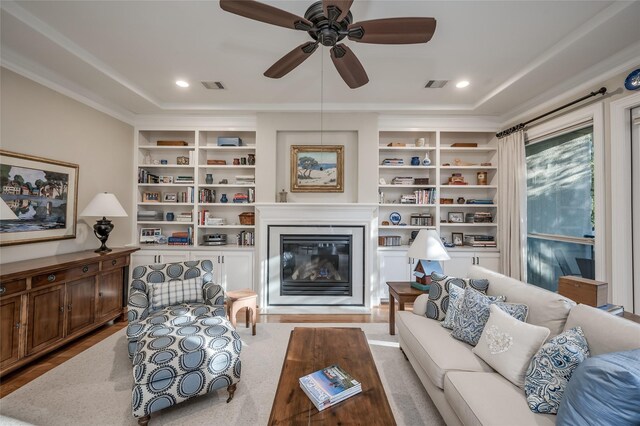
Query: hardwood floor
21, 377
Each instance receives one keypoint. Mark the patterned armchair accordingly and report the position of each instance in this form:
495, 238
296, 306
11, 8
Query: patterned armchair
141, 314
180, 341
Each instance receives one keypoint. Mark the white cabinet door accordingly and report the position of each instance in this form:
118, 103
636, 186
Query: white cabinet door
488, 260
460, 262
152, 257
237, 267
393, 265
233, 269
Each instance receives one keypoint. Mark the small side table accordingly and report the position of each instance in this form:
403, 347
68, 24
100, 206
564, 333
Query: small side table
402, 292
245, 298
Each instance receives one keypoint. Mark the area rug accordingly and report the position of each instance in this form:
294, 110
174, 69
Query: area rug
94, 387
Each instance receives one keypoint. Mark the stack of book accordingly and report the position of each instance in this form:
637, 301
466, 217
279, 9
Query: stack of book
479, 240
480, 201
329, 386
206, 195
186, 196
184, 179
246, 180
182, 238
479, 217
402, 180
393, 162
425, 196
184, 217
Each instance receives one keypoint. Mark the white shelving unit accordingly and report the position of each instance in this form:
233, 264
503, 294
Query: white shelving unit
445, 161
201, 146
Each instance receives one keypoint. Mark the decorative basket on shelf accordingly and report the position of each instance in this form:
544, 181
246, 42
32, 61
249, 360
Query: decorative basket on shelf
247, 218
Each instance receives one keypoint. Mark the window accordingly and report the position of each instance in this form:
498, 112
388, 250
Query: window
560, 207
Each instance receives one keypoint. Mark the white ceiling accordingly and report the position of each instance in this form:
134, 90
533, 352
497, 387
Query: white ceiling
126, 55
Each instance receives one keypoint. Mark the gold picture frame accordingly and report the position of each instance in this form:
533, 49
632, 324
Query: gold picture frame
317, 168
39, 199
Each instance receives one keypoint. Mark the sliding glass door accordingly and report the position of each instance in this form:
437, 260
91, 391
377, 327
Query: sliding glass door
560, 207
635, 207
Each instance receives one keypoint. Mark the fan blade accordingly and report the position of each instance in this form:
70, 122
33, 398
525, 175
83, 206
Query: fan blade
291, 60
348, 66
393, 30
262, 12
336, 10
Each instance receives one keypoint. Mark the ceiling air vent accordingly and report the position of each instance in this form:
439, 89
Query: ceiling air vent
213, 85
435, 84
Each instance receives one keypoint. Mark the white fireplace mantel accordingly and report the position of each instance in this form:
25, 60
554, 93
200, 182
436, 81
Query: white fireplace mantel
310, 214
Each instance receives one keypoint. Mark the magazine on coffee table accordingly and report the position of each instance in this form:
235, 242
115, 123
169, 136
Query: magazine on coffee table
329, 386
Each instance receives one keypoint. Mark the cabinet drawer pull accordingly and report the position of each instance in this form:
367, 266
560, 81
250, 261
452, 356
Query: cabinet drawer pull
61, 308
69, 307
85, 269
51, 278
113, 262
3, 290
17, 325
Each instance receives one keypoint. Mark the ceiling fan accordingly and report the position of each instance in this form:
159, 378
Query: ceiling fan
328, 22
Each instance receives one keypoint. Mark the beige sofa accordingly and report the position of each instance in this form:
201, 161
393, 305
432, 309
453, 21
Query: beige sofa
465, 389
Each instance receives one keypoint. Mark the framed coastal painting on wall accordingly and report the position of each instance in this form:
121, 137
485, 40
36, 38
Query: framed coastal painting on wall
317, 168
38, 199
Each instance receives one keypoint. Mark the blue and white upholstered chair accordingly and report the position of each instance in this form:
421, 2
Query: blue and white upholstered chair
178, 336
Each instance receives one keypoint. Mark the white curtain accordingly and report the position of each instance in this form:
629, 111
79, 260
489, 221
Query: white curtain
512, 205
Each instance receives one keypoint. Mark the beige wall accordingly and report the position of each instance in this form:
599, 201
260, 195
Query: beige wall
38, 121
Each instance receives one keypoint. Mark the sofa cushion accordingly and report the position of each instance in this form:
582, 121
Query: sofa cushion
439, 292
474, 313
604, 389
434, 348
604, 332
551, 368
489, 399
175, 292
420, 304
455, 298
507, 344
546, 309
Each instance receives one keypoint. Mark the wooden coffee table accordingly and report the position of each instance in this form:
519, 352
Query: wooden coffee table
311, 349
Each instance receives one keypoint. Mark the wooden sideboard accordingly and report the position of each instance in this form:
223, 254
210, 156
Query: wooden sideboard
47, 302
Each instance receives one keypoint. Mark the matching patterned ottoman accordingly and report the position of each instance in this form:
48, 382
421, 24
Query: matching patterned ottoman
176, 362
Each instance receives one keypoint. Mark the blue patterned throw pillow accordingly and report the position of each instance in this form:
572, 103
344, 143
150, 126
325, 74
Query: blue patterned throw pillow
551, 368
438, 303
455, 299
474, 313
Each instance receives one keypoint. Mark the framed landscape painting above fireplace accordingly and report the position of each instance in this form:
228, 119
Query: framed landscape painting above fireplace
317, 168
38, 199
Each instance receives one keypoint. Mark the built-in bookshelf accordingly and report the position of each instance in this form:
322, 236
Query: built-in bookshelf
461, 182
189, 188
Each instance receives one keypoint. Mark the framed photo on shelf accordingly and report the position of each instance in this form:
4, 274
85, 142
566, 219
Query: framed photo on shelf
170, 197
150, 235
317, 168
151, 197
457, 238
455, 217
165, 179
39, 199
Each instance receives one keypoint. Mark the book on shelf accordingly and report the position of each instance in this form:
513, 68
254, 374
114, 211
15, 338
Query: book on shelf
402, 180
329, 386
479, 201
479, 240
389, 240
246, 238
393, 162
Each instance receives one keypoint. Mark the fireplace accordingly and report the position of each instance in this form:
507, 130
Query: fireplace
316, 265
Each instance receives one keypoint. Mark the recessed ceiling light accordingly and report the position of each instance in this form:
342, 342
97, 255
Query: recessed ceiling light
182, 83
462, 84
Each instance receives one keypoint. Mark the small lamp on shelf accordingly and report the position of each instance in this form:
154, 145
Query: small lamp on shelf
103, 204
428, 249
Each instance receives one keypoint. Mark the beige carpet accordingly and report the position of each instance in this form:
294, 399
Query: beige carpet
95, 386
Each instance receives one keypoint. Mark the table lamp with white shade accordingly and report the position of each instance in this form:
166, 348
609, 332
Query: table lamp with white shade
103, 204
429, 250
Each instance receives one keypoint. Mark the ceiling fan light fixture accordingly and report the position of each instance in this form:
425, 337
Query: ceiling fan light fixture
182, 83
462, 84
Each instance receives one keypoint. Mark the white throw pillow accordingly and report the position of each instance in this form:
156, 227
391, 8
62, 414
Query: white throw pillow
420, 304
508, 345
